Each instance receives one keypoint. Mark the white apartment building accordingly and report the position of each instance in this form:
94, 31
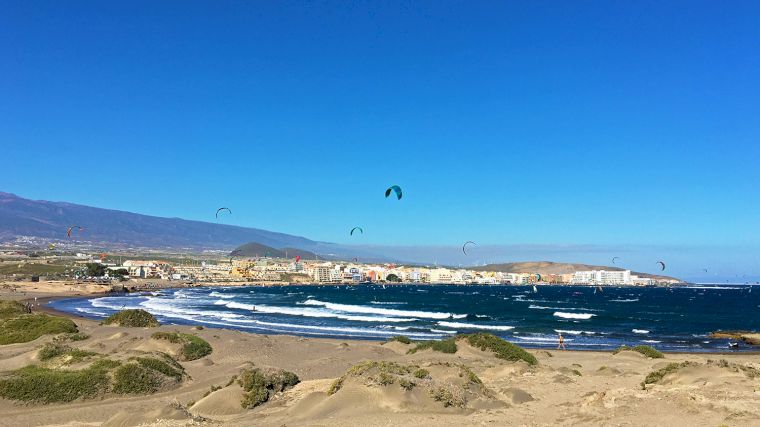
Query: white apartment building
440, 275
321, 273
602, 277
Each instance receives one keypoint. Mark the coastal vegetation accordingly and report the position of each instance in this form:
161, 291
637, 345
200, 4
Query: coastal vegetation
193, 347
51, 383
133, 318
451, 385
448, 345
646, 350
17, 325
501, 348
260, 385
68, 354
657, 375
400, 338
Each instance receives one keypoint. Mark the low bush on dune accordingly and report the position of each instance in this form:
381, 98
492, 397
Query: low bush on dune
261, 385
140, 375
35, 384
9, 309
656, 376
71, 336
444, 346
193, 347
646, 350
453, 385
502, 349
70, 354
132, 318
29, 327
400, 338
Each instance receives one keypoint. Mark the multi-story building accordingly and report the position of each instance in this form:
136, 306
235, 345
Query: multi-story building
602, 277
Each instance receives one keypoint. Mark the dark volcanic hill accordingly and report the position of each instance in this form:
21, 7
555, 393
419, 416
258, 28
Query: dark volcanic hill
38, 218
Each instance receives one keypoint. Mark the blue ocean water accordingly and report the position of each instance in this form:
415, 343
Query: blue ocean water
670, 319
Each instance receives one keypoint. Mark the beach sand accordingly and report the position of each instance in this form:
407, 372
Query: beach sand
565, 388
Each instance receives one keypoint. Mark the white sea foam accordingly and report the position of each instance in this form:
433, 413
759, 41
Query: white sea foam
311, 312
639, 331
474, 326
624, 300
88, 311
441, 331
218, 295
542, 307
386, 303
290, 327
347, 308
581, 316
540, 339
563, 331
651, 341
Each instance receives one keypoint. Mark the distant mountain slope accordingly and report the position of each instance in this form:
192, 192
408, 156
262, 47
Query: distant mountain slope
23, 217
548, 267
255, 249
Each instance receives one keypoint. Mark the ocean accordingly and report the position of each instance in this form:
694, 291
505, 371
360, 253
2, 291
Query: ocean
669, 319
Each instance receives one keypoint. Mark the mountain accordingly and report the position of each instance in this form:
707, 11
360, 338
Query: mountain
548, 267
255, 249
44, 219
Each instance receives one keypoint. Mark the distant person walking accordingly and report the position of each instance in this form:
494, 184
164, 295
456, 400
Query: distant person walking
561, 345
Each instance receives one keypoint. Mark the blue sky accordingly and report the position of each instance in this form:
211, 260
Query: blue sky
633, 124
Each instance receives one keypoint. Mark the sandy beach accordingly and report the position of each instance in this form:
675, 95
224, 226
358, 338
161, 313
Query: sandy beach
563, 388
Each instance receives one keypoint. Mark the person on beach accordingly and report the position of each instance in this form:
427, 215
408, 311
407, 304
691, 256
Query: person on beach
561, 344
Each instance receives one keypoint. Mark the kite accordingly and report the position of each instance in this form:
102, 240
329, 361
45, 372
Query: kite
356, 228
394, 188
222, 209
614, 258
662, 265
79, 230
464, 247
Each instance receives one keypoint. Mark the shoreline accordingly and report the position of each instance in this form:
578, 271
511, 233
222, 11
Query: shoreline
43, 306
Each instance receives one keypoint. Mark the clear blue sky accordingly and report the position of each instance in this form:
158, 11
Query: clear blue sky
600, 123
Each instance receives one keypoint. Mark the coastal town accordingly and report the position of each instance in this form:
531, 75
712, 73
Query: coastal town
266, 270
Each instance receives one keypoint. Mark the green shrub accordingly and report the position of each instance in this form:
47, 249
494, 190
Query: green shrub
335, 386
70, 337
446, 397
193, 347
50, 351
259, 386
400, 338
9, 309
406, 384
502, 349
132, 318
471, 377
421, 373
444, 346
29, 327
134, 378
646, 350
42, 385
160, 366
656, 376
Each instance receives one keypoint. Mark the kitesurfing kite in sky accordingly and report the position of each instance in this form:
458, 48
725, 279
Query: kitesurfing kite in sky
394, 188
222, 209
